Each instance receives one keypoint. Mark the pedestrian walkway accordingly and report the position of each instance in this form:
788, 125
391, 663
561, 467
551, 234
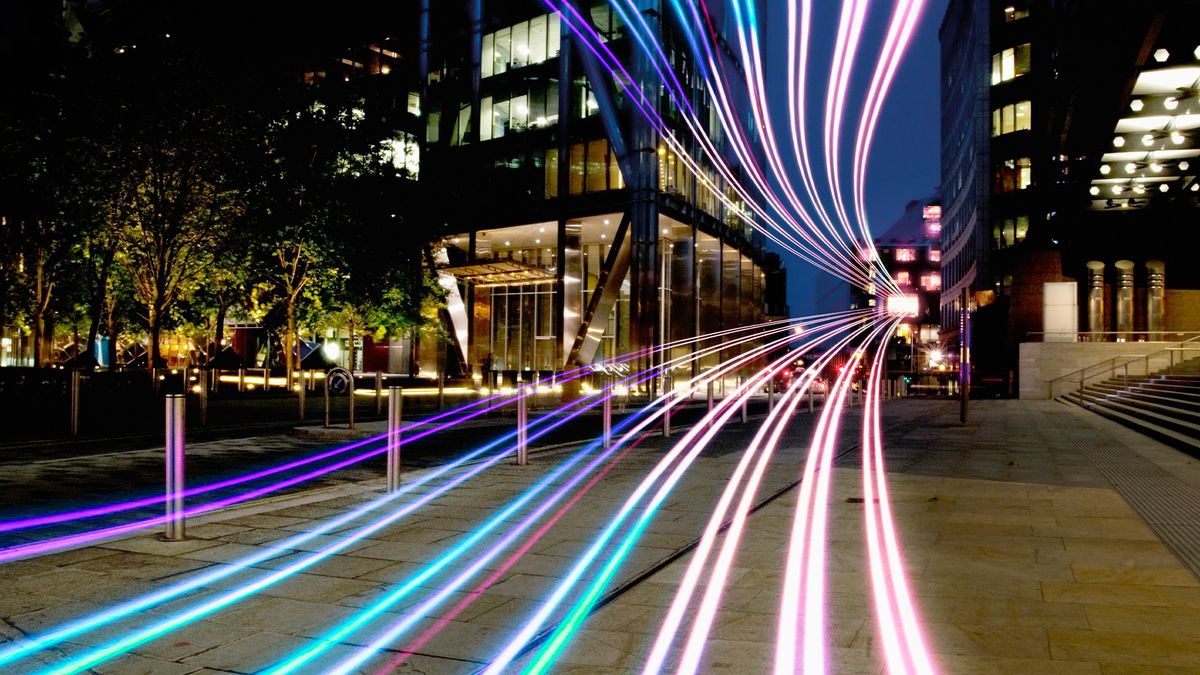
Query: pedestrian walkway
1021, 552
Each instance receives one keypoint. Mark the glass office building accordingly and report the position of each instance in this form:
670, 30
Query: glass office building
565, 230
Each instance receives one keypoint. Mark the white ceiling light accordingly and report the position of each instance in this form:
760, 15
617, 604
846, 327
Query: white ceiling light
537, 241
1155, 167
1176, 138
1130, 167
1116, 189
1197, 52
1195, 187
1163, 187
603, 236
1171, 103
508, 243
1094, 190
1105, 169
1136, 105
606, 221
1184, 166
1161, 55
1148, 140
1138, 189
1119, 141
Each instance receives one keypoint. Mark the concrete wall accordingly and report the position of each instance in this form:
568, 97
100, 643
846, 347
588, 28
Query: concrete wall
1041, 362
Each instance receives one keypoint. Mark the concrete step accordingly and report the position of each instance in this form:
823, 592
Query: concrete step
1187, 442
1160, 410
1139, 394
1169, 418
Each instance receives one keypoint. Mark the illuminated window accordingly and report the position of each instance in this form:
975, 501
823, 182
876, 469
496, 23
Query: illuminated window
1009, 232
905, 255
1014, 12
903, 278
1009, 118
935, 255
931, 281
524, 44
1010, 63
1011, 174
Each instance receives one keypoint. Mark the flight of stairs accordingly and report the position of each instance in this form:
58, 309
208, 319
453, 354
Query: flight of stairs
1165, 407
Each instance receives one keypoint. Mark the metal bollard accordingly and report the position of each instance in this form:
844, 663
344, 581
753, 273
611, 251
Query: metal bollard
266, 379
378, 393
745, 400
710, 396
522, 422
666, 430
395, 411
810, 396
351, 393
326, 400
76, 385
301, 394
175, 465
203, 397
241, 380
608, 418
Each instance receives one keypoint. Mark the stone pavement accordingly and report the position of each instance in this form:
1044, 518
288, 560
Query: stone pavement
1021, 552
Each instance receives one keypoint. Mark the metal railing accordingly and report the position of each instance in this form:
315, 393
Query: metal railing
1110, 366
1118, 336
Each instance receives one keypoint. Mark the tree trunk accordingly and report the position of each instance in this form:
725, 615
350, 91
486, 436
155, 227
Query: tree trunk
97, 306
219, 332
291, 353
155, 325
40, 302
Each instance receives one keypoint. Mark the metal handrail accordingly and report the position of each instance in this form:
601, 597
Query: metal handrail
1083, 376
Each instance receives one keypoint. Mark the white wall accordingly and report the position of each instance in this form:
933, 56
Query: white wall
1041, 362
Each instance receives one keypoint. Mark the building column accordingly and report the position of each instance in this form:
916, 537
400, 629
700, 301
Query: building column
1155, 300
1095, 300
1124, 300
643, 187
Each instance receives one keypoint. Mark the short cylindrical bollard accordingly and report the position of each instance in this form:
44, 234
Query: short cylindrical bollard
203, 391
395, 411
175, 464
745, 401
301, 395
770, 396
350, 393
378, 393
710, 396
266, 379
327, 410
608, 418
522, 439
241, 379
76, 387
810, 396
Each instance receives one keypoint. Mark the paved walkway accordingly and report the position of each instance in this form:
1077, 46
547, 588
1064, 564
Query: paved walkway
1021, 552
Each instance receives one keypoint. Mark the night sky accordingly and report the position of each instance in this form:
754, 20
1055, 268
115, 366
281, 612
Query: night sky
904, 162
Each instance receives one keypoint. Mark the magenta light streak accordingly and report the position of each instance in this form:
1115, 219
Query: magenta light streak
773, 231
684, 593
803, 588
714, 586
898, 35
904, 643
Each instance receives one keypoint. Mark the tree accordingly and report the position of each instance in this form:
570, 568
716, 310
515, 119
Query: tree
181, 185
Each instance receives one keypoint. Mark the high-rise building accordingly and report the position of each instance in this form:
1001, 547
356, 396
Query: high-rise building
1050, 161
566, 229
